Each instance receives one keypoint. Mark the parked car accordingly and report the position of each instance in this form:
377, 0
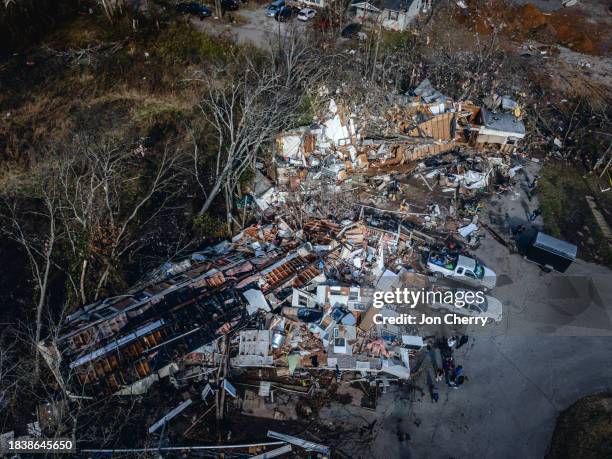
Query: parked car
351, 31
229, 5
306, 14
283, 14
461, 269
274, 7
194, 9
490, 308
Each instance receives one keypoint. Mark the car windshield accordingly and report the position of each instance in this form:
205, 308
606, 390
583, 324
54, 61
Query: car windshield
479, 271
473, 301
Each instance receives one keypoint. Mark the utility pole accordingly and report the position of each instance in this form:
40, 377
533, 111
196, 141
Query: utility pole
378, 36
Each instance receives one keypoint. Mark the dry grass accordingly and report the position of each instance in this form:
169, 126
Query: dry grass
566, 214
121, 93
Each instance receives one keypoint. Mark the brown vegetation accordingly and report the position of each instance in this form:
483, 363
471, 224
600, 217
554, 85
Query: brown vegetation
568, 28
584, 429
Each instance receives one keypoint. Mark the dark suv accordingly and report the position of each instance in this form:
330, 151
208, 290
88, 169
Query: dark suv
194, 9
283, 14
229, 5
351, 31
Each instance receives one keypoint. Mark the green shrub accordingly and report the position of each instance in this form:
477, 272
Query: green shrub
181, 42
207, 226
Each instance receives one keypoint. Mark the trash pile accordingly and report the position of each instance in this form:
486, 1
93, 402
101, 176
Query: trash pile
418, 126
455, 149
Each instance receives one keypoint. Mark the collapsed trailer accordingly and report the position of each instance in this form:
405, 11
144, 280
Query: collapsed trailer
547, 251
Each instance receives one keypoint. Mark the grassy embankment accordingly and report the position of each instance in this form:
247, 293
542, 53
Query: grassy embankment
562, 193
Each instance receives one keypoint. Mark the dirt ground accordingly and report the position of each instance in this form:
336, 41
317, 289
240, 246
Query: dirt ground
582, 27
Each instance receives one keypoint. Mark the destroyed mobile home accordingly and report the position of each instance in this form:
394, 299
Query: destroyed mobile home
275, 290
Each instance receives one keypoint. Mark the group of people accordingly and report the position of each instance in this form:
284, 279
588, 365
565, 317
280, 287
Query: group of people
453, 375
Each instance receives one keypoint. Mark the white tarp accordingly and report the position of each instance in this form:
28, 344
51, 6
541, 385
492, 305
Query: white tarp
290, 146
473, 180
256, 301
465, 231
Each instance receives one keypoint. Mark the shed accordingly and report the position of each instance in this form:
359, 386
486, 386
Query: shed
545, 250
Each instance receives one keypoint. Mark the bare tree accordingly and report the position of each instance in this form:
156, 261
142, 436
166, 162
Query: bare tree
112, 8
242, 121
247, 108
37, 231
107, 199
9, 383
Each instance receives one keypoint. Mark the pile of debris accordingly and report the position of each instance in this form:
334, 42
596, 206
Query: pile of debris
286, 305
300, 299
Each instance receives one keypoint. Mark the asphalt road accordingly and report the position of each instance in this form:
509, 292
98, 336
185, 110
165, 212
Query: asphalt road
516, 388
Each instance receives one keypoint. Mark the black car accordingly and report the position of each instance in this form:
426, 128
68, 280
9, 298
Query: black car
194, 9
283, 14
351, 30
229, 5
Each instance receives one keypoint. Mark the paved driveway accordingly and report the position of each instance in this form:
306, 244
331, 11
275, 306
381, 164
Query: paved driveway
553, 347
576, 303
517, 386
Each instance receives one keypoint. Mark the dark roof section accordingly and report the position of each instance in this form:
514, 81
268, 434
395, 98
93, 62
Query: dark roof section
557, 246
396, 5
393, 5
502, 122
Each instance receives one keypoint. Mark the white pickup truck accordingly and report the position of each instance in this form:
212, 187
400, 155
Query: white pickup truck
461, 269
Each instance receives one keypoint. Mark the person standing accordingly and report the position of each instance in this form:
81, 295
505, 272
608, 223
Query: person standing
534, 215
458, 371
534, 182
